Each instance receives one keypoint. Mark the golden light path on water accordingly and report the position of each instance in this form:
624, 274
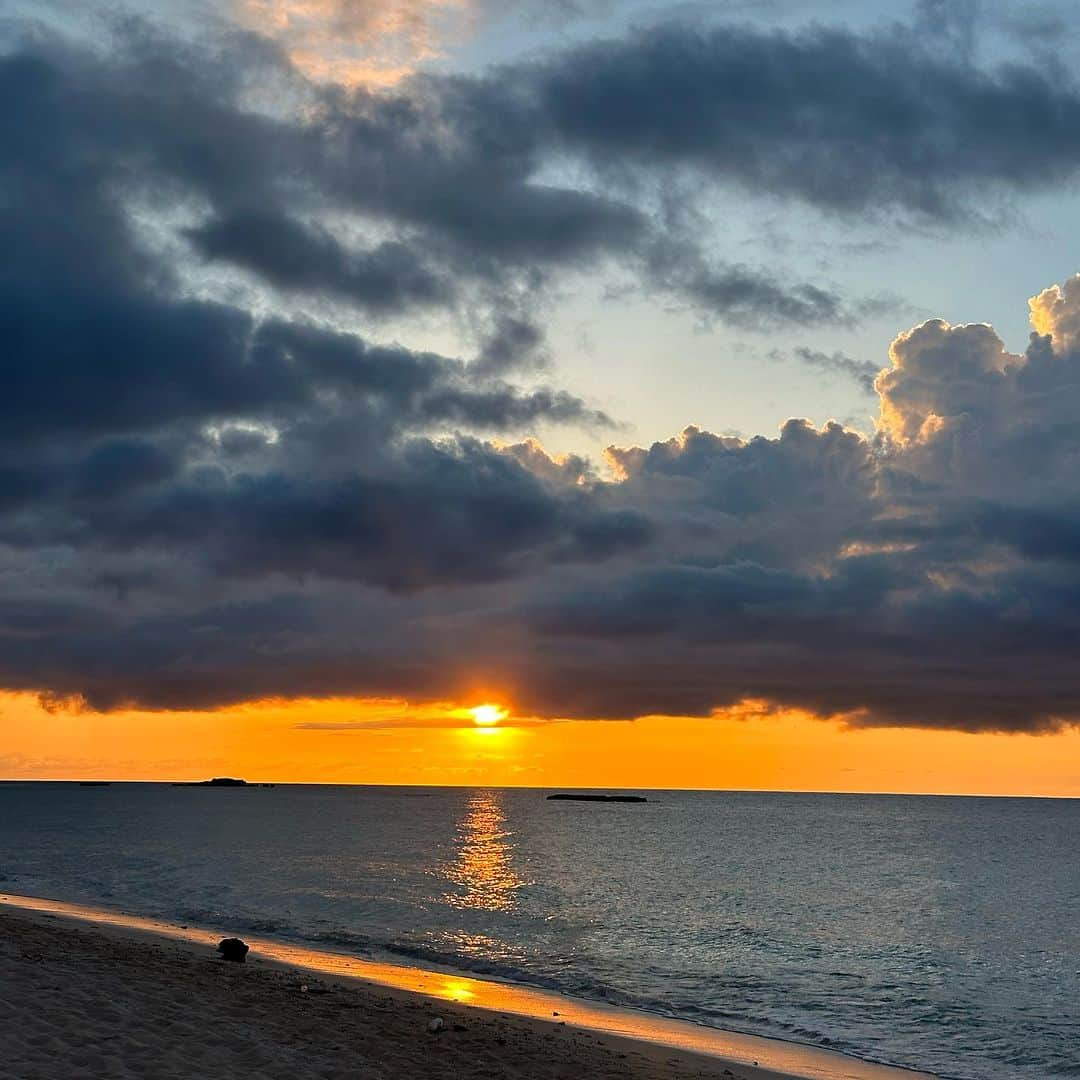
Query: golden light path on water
788, 1059
483, 871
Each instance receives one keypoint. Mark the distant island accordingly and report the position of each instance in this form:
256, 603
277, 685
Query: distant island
218, 781
573, 797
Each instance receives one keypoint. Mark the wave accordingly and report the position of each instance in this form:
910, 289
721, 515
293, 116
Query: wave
571, 984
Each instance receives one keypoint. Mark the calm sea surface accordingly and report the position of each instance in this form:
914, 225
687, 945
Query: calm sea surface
940, 933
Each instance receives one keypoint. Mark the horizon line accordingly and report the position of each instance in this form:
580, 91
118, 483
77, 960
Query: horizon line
561, 787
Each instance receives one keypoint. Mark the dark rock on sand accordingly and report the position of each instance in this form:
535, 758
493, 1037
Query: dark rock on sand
232, 948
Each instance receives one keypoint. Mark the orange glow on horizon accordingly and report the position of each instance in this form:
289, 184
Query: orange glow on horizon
383, 741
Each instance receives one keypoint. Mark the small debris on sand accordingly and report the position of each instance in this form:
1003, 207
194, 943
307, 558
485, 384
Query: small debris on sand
233, 949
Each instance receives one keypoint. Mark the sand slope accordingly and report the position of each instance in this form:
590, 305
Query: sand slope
79, 1003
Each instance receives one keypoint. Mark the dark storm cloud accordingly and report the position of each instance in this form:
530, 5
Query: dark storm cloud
844, 122
98, 341
202, 502
450, 165
134, 418
427, 515
907, 581
389, 277
1037, 534
872, 642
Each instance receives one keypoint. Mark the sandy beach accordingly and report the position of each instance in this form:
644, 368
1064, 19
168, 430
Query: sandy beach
121, 997
78, 1001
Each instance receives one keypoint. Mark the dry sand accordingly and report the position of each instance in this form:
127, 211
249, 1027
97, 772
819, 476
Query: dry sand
80, 1002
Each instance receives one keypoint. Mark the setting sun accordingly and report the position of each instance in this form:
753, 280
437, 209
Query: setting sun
487, 715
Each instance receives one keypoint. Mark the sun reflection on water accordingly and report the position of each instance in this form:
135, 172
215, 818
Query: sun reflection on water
483, 870
453, 989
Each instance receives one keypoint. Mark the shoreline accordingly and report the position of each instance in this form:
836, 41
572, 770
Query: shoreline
672, 1046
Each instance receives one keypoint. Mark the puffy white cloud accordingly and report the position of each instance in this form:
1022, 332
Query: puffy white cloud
1056, 312
939, 373
959, 411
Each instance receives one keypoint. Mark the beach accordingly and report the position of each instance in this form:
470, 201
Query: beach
88, 994
710, 923
81, 1001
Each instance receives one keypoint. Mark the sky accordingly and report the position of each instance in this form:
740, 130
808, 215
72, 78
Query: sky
691, 388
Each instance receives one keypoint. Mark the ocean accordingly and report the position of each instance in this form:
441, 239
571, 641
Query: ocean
937, 933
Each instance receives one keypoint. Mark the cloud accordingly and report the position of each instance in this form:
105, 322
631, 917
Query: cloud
388, 277
939, 373
368, 42
430, 195
1055, 313
863, 372
378, 43
514, 343
210, 495
742, 296
430, 514
423, 722
416, 195
925, 577
950, 25
845, 122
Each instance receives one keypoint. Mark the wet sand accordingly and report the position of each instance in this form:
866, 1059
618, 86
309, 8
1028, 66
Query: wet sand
90, 994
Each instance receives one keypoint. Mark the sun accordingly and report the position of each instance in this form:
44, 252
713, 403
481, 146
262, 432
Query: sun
487, 715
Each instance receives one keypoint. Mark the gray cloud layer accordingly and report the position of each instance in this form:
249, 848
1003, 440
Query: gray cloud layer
201, 502
841, 121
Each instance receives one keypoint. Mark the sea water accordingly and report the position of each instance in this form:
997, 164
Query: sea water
937, 933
